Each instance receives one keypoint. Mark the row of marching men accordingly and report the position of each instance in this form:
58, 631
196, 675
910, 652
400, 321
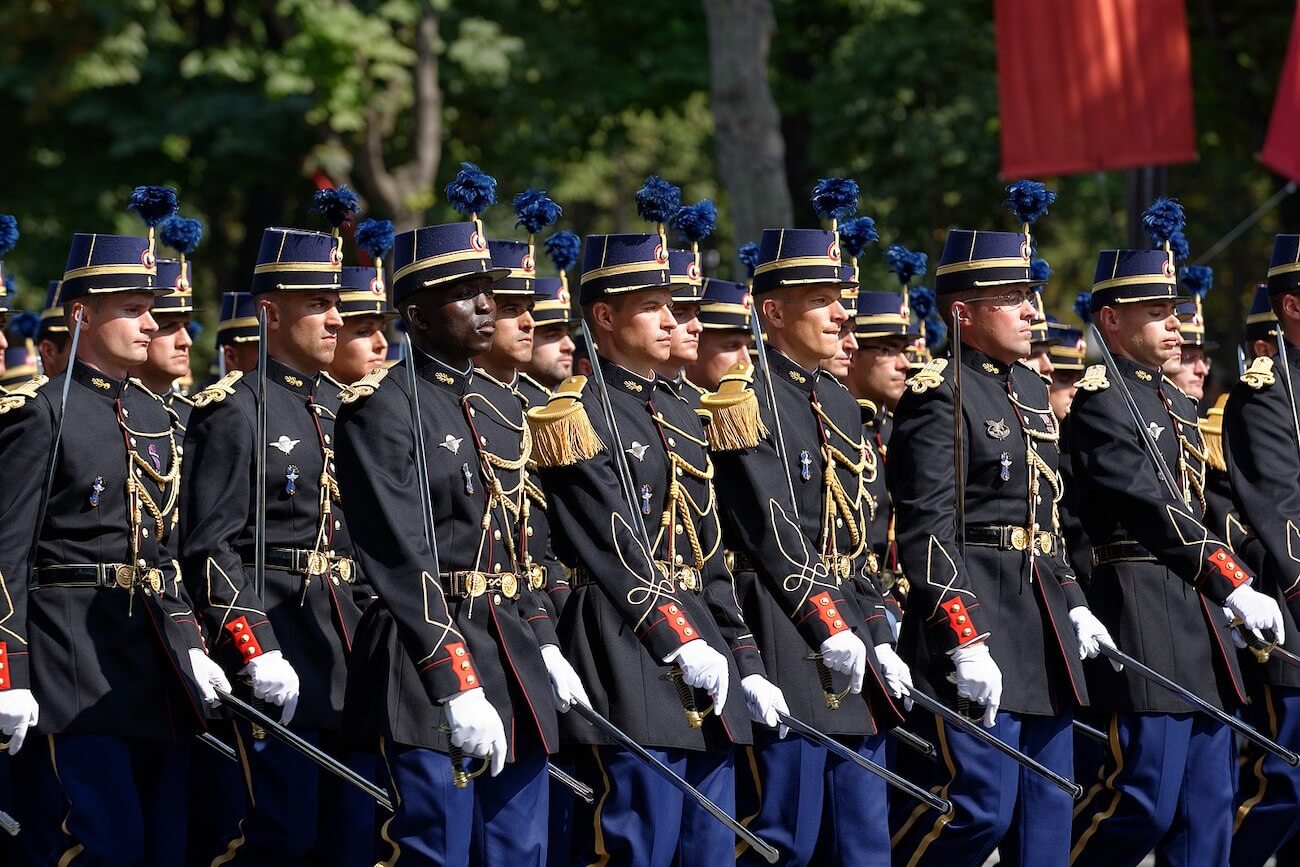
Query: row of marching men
725, 665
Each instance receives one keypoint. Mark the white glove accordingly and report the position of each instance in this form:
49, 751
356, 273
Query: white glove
845, 653
207, 674
763, 699
1237, 641
703, 668
565, 682
1257, 611
476, 727
18, 712
274, 680
1092, 633
979, 679
897, 675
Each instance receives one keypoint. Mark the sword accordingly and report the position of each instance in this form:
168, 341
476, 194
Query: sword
216, 744
694, 716
767, 852
1264, 647
1088, 731
325, 761
931, 800
925, 702
1246, 731
914, 742
581, 789
9, 824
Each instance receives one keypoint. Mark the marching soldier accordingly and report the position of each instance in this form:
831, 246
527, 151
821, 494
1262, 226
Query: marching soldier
1260, 439
1158, 571
1190, 369
994, 615
98, 627
725, 337
363, 306
1261, 326
446, 658
696, 222
169, 348
52, 343
1042, 340
292, 643
652, 624
552, 359
794, 508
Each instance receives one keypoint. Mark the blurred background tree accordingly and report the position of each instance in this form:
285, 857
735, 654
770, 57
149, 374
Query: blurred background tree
244, 105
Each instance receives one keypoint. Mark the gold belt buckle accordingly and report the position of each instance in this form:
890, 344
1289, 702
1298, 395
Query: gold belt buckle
475, 584
509, 584
843, 566
125, 576
688, 578
1019, 539
343, 568
1044, 541
317, 564
729, 558
536, 576
153, 579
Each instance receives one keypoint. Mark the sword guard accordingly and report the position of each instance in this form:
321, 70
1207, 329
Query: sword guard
833, 698
970, 711
459, 776
694, 716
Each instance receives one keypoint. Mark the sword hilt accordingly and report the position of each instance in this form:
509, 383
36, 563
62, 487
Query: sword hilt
1259, 648
694, 716
459, 776
832, 697
970, 710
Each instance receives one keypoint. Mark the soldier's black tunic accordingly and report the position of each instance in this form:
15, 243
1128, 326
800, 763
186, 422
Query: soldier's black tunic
792, 568
626, 616
557, 586
1017, 597
877, 427
424, 640
183, 406
311, 619
1163, 602
108, 660
1260, 448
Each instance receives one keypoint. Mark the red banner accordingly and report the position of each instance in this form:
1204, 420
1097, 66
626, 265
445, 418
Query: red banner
1281, 151
1091, 86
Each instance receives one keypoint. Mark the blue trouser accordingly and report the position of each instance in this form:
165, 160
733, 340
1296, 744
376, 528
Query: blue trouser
996, 802
1167, 774
299, 813
496, 820
854, 807
560, 822
1268, 797
126, 800
640, 818
218, 796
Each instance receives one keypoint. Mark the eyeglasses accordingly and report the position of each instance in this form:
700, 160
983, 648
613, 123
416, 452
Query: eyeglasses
1190, 358
1012, 299
885, 350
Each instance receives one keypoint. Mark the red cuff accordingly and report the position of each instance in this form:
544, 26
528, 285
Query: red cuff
245, 641
462, 666
1226, 566
677, 620
828, 614
959, 621
4, 666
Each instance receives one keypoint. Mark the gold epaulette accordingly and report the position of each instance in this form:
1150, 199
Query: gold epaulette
1212, 434
183, 398
1260, 373
219, 390
363, 387
706, 417
1094, 379
736, 423
562, 431
868, 409
15, 397
929, 376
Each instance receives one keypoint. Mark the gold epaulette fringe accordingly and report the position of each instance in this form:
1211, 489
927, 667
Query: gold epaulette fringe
562, 431
219, 390
736, 423
1212, 435
363, 387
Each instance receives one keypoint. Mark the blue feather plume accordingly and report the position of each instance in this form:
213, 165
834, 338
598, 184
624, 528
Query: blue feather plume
181, 233
935, 331
375, 237
1039, 271
1163, 219
856, 234
336, 204
1179, 247
11, 285
153, 204
535, 210
696, 222
748, 256
658, 200
1197, 279
25, 324
1083, 306
472, 191
906, 264
8, 233
835, 198
563, 249
1029, 200
922, 301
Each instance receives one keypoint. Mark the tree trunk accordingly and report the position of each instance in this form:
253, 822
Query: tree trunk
401, 193
747, 125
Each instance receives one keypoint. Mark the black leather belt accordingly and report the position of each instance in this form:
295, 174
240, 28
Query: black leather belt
97, 575
685, 577
838, 566
1121, 552
310, 563
469, 583
1007, 538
